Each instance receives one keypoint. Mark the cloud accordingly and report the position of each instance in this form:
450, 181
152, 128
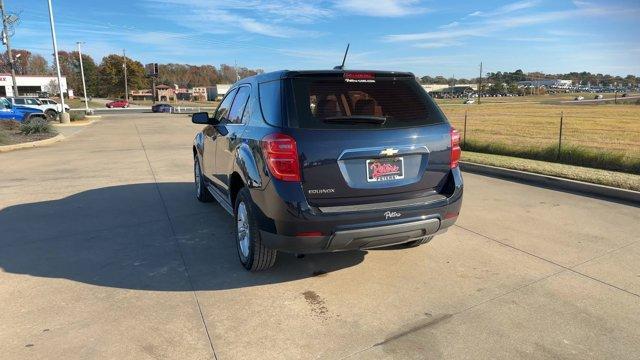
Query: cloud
254, 17
450, 25
438, 44
497, 24
506, 9
532, 39
381, 8
432, 35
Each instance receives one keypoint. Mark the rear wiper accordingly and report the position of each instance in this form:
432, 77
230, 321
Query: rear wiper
356, 119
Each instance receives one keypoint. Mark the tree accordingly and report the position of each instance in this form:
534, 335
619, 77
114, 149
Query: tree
52, 87
37, 65
70, 67
25, 63
111, 76
228, 74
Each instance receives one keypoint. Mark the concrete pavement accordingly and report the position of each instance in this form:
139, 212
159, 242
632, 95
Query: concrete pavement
105, 253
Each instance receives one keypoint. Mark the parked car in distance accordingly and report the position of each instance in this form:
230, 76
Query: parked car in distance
579, 98
469, 101
598, 97
162, 108
118, 104
10, 111
328, 160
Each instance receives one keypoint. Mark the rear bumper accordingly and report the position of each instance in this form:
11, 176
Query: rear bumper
363, 238
353, 227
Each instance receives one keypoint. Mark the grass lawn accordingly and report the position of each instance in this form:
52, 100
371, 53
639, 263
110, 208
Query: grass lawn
595, 135
78, 103
595, 176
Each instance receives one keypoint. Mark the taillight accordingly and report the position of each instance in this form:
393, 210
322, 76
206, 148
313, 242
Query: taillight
455, 148
281, 154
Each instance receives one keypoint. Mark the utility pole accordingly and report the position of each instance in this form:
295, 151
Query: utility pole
480, 84
6, 39
126, 85
64, 117
84, 85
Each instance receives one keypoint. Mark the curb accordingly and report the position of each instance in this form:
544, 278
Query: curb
32, 144
77, 123
553, 182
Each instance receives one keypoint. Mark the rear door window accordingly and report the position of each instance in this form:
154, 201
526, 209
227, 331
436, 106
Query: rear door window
19, 101
372, 103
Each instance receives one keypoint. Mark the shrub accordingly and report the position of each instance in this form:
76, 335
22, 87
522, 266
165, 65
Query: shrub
35, 126
75, 116
3, 138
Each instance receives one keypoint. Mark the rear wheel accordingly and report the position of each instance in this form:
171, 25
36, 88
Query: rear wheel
202, 194
253, 255
422, 241
51, 114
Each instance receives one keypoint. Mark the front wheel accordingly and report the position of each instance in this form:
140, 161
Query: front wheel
51, 114
254, 256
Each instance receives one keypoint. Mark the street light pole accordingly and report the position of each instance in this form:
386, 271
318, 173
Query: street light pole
64, 117
84, 85
7, 41
126, 86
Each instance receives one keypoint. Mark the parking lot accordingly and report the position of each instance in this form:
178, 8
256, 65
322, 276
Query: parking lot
105, 253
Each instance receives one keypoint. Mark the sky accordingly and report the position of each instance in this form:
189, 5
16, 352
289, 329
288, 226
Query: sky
425, 37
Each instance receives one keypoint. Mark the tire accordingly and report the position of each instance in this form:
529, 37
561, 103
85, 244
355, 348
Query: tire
252, 254
202, 194
422, 241
51, 114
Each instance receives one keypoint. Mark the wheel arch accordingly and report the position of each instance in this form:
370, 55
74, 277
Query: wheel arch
235, 185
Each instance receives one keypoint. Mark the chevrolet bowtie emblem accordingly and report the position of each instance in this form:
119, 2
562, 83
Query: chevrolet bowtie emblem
389, 152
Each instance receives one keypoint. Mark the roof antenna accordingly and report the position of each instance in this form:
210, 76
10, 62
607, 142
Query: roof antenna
341, 67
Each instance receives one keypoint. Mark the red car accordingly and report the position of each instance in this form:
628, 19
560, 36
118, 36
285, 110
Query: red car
118, 104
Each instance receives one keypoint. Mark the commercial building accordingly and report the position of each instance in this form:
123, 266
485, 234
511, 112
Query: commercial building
548, 83
32, 85
165, 93
435, 87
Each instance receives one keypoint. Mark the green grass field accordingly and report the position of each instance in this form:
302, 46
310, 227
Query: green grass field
605, 136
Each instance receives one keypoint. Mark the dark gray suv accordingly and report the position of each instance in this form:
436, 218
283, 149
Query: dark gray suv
320, 161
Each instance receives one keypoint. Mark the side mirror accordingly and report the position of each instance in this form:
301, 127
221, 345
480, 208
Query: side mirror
201, 118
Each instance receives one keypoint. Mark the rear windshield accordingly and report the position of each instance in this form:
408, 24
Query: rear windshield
338, 103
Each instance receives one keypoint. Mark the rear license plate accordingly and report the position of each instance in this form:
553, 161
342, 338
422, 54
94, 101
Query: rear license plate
385, 169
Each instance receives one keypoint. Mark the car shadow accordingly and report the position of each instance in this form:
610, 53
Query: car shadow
142, 236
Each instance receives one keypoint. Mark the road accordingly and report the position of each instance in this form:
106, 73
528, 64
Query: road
105, 253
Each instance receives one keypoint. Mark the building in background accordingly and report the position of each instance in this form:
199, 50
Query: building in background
552, 83
140, 95
166, 93
199, 93
32, 85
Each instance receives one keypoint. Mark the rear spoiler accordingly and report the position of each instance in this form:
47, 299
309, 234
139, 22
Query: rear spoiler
340, 73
